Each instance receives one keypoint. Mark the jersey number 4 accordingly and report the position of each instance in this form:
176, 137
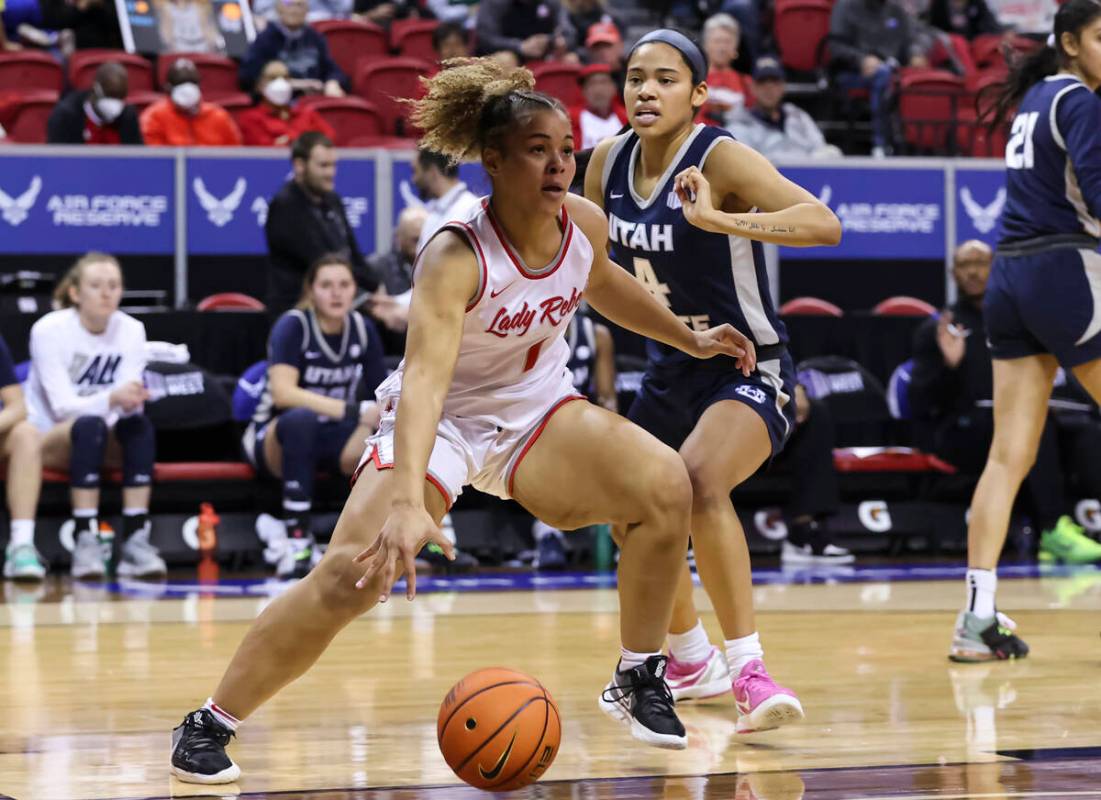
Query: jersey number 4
1018, 152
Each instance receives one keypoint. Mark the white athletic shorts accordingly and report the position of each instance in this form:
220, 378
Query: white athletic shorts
468, 451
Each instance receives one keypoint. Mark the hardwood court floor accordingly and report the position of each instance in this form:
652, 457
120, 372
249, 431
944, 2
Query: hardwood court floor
91, 684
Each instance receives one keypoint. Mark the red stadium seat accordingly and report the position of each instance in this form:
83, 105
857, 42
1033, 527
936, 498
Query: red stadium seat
800, 27
27, 121
810, 307
234, 102
384, 82
412, 38
27, 70
218, 73
972, 136
558, 80
929, 103
986, 50
142, 100
350, 41
230, 301
351, 118
888, 459
84, 63
903, 306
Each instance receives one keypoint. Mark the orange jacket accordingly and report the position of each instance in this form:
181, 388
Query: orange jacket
163, 124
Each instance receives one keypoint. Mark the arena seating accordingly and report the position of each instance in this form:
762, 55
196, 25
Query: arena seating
84, 63
350, 42
28, 116
381, 82
26, 70
412, 38
230, 301
811, 307
219, 74
801, 28
903, 306
558, 80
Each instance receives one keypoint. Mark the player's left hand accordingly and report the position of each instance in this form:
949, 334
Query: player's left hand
695, 197
727, 340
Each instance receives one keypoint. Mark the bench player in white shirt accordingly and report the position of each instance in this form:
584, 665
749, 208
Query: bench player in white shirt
85, 395
484, 398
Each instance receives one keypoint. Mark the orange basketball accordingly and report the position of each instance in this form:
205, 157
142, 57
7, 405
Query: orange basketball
498, 729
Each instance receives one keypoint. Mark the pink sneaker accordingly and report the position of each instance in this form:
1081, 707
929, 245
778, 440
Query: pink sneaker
762, 705
707, 678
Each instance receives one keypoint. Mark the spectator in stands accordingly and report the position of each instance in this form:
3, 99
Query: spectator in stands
265, 11
394, 270
726, 88
290, 40
99, 115
85, 396
869, 41
605, 46
276, 120
951, 396
584, 14
1036, 17
306, 220
188, 26
450, 40
184, 119
773, 128
460, 13
94, 23
446, 196
534, 30
317, 407
968, 18
19, 448
383, 12
600, 114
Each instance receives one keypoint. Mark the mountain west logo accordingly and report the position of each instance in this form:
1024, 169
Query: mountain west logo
15, 209
220, 212
984, 218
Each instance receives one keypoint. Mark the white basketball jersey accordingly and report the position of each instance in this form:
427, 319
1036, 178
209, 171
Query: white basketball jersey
512, 357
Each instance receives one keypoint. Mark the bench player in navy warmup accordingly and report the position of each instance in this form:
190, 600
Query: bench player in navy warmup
680, 199
1043, 302
309, 414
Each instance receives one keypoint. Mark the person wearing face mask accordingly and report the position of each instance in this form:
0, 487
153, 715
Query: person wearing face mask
184, 119
99, 115
290, 40
276, 120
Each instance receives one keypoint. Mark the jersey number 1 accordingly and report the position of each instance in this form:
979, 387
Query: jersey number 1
533, 355
1018, 152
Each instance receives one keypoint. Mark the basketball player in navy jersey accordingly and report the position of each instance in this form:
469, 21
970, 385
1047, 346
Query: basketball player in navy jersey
1043, 302
687, 209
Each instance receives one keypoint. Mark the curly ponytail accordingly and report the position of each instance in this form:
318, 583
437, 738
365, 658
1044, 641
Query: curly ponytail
472, 103
997, 102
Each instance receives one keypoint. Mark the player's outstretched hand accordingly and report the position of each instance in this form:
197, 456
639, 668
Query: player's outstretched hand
695, 197
727, 340
403, 535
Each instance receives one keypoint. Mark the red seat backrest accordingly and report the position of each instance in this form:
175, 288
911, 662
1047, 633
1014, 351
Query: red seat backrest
558, 80
929, 103
800, 27
218, 73
810, 307
352, 118
84, 63
412, 38
28, 120
230, 301
903, 306
27, 70
349, 41
384, 82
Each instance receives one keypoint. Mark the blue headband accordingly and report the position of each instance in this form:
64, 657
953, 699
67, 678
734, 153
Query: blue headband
682, 44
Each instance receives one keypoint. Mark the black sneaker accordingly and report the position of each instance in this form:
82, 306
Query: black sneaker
199, 750
431, 558
809, 545
640, 698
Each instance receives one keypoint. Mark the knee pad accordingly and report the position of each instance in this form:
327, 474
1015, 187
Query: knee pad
88, 438
139, 449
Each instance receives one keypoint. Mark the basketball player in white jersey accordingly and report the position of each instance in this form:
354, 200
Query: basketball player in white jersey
484, 397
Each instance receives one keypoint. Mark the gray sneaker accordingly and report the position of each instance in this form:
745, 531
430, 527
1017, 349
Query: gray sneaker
91, 555
23, 563
140, 559
986, 639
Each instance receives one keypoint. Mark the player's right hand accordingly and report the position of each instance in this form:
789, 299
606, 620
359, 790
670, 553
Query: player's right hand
404, 533
129, 396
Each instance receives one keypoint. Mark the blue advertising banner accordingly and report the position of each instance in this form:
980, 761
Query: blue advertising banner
405, 193
227, 202
884, 213
980, 198
71, 205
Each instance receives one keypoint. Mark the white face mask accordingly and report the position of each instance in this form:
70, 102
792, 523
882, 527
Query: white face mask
278, 91
186, 95
109, 108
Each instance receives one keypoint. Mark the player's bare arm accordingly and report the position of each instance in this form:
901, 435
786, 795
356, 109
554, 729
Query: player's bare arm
620, 298
737, 176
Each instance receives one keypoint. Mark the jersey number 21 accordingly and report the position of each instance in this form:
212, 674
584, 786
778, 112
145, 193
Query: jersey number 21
1018, 152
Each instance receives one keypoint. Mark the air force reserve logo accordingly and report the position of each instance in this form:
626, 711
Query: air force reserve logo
984, 218
15, 209
220, 212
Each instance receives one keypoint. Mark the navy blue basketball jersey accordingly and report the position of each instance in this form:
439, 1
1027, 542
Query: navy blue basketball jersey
331, 365
705, 278
1053, 163
581, 337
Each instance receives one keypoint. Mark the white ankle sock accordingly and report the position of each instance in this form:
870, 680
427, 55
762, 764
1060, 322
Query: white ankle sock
22, 532
692, 646
740, 652
224, 717
628, 659
982, 584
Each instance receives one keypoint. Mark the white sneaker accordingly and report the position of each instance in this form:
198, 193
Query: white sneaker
273, 533
23, 563
91, 555
140, 559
